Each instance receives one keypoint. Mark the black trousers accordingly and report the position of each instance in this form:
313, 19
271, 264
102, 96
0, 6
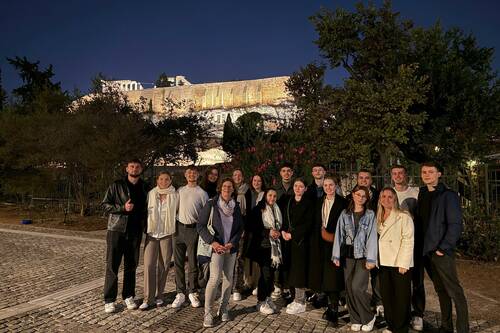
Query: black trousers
266, 279
443, 273
126, 245
417, 281
333, 299
186, 242
395, 289
375, 283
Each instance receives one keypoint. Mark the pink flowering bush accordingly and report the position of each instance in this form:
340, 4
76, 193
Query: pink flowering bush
266, 158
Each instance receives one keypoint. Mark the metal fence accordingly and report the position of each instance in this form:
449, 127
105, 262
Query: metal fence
483, 190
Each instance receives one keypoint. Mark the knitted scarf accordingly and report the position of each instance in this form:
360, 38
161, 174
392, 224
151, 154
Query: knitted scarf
153, 205
272, 219
240, 197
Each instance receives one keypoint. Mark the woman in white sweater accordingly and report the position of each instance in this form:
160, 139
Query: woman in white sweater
395, 229
162, 206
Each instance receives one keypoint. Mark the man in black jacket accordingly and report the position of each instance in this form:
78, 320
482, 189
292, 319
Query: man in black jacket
315, 189
125, 202
439, 218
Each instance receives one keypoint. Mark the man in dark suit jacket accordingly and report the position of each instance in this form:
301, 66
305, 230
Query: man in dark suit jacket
439, 216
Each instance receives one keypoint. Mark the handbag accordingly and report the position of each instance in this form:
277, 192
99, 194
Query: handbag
327, 236
204, 251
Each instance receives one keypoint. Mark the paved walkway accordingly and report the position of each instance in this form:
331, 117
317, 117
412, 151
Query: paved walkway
51, 280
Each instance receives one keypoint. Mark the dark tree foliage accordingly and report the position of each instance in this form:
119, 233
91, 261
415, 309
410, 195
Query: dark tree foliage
230, 138
412, 93
3, 94
163, 81
85, 143
38, 91
244, 133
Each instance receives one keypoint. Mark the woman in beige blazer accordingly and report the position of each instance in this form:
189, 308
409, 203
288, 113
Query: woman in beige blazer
395, 229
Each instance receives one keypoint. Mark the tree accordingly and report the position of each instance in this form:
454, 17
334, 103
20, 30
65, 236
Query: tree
3, 94
463, 102
230, 137
97, 83
250, 128
38, 90
409, 90
163, 81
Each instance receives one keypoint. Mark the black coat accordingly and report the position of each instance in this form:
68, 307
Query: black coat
297, 219
323, 274
312, 192
259, 243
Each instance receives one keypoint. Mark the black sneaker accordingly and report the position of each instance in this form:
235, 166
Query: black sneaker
332, 316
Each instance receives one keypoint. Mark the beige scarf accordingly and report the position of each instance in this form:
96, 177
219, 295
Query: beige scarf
153, 212
240, 197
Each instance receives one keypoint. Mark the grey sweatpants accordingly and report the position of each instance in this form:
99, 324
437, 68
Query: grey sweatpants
220, 264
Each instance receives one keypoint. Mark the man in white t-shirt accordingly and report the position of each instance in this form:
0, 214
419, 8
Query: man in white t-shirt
407, 195
407, 198
192, 198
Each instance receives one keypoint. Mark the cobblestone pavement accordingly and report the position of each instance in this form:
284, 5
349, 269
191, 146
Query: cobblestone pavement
52, 281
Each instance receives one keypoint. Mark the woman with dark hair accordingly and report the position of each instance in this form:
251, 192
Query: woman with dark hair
240, 190
298, 215
323, 275
227, 224
395, 228
255, 193
253, 196
355, 246
265, 247
209, 181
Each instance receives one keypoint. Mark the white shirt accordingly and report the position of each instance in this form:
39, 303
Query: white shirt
191, 201
408, 199
327, 207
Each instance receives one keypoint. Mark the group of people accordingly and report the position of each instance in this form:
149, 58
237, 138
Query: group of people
291, 240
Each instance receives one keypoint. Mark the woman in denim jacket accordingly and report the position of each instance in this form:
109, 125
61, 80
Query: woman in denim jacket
355, 245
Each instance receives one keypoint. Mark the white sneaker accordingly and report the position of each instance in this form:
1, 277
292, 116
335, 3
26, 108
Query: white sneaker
270, 302
255, 291
296, 308
236, 296
144, 306
368, 327
224, 316
264, 308
356, 327
417, 323
276, 293
179, 300
130, 303
109, 307
159, 302
208, 320
194, 299
380, 310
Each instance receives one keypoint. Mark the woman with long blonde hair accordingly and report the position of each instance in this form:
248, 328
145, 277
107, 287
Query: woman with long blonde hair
396, 241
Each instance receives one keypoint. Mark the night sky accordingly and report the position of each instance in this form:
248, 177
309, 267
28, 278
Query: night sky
206, 41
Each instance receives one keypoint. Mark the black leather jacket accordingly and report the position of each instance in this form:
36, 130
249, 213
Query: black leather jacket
114, 201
